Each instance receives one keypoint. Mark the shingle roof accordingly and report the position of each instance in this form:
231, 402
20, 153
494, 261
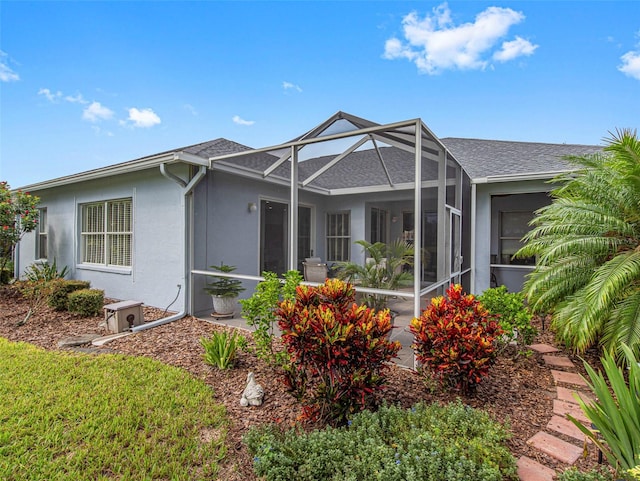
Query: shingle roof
487, 158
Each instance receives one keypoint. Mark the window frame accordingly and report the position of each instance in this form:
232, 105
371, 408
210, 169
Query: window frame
108, 232
379, 228
42, 235
342, 241
502, 238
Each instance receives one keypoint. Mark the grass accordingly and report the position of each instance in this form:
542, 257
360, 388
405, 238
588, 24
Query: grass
66, 416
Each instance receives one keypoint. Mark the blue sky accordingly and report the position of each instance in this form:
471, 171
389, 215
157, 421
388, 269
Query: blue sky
89, 84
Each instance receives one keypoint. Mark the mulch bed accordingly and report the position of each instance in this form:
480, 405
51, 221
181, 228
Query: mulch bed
519, 390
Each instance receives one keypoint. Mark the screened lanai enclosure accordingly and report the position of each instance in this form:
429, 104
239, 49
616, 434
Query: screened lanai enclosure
346, 180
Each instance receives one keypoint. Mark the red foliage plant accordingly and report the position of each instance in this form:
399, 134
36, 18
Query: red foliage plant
455, 339
339, 351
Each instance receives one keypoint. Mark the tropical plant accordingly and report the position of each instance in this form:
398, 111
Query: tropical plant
259, 311
220, 349
224, 286
45, 271
383, 269
615, 415
456, 339
513, 315
339, 351
586, 243
18, 216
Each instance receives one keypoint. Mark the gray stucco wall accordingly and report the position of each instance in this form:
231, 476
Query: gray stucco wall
158, 236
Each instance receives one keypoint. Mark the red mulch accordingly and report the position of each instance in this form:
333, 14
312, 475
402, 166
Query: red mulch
518, 390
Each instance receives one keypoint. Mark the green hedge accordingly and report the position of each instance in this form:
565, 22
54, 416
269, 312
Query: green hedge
59, 297
86, 302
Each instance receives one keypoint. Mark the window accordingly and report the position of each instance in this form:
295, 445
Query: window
41, 238
513, 227
378, 225
338, 236
106, 233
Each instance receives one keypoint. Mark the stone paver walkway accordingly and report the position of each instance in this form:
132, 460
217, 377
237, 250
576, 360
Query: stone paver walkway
568, 384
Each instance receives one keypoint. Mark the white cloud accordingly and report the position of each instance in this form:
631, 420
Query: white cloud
6, 73
434, 43
290, 86
237, 120
191, 109
143, 118
51, 96
96, 112
631, 64
77, 99
514, 49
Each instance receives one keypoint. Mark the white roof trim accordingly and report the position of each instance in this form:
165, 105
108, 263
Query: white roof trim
519, 177
117, 169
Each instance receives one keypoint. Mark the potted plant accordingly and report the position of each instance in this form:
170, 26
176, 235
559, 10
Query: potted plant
224, 291
383, 269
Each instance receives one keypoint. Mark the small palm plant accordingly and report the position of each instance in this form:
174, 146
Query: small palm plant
587, 244
384, 269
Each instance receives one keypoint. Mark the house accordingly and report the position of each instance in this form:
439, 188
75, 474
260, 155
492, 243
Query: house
149, 228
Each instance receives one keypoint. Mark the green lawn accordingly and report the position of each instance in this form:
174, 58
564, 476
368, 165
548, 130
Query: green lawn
85, 417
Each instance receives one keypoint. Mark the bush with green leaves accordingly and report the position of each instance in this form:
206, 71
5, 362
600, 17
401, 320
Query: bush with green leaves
428, 442
616, 412
220, 349
86, 302
60, 290
573, 474
259, 311
513, 315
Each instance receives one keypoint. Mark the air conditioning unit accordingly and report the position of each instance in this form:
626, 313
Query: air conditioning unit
122, 316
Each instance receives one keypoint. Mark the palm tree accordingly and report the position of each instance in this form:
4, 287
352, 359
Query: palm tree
587, 246
384, 269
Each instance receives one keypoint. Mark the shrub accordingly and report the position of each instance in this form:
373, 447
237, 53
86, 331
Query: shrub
514, 316
61, 288
259, 311
220, 349
616, 414
36, 292
45, 271
428, 442
338, 350
86, 302
572, 474
455, 339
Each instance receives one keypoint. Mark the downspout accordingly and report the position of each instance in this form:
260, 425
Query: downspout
187, 189
473, 236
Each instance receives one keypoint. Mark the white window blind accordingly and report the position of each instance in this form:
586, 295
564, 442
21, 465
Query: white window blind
107, 233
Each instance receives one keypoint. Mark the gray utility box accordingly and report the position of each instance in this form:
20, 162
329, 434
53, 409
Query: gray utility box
122, 316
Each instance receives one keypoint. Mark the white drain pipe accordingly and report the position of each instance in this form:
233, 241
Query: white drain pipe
187, 189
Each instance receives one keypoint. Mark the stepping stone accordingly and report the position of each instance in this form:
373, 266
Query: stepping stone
77, 340
543, 348
531, 470
568, 378
558, 361
564, 426
562, 408
555, 447
567, 395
